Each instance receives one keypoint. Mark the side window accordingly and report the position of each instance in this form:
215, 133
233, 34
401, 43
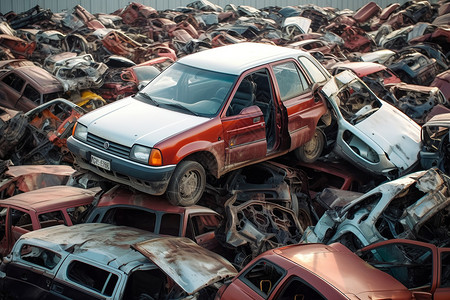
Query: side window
170, 224
14, 82
291, 81
316, 74
263, 277
3, 212
21, 219
244, 96
76, 213
412, 265
296, 288
148, 284
445, 270
51, 219
94, 278
136, 218
31, 93
204, 224
39, 256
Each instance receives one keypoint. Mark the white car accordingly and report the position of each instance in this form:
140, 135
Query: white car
371, 133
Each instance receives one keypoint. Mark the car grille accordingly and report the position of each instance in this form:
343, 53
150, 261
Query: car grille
114, 148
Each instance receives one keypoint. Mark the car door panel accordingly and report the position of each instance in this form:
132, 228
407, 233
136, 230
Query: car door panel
245, 137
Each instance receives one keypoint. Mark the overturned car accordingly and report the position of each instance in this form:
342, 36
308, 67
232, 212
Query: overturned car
361, 128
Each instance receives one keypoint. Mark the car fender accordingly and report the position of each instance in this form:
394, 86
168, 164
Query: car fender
215, 149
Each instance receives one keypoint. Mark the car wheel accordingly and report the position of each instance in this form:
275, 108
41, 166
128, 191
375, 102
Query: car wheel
187, 184
312, 150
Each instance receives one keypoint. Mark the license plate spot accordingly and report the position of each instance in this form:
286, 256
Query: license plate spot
99, 162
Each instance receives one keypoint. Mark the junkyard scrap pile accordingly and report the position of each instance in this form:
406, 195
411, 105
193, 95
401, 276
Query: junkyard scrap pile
237, 130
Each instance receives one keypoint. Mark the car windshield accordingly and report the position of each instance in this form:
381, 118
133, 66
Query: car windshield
189, 90
351, 96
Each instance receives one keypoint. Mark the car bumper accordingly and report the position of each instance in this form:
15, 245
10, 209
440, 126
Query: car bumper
148, 179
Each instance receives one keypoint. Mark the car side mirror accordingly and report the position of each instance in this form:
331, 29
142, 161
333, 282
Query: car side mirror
251, 110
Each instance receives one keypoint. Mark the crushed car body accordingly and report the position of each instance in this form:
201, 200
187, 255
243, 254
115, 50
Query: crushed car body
364, 122
415, 206
100, 261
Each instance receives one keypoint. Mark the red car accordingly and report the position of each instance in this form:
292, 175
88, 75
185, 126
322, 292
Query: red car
41, 208
207, 114
312, 271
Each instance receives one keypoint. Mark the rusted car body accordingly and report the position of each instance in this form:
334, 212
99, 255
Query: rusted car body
39, 136
363, 132
15, 63
442, 81
312, 271
413, 67
22, 179
256, 226
87, 18
222, 103
366, 12
369, 69
414, 206
18, 47
136, 13
421, 267
435, 143
103, 261
416, 101
44, 207
122, 206
79, 73
25, 88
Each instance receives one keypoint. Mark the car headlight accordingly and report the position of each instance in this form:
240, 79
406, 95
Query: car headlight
146, 155
80, 132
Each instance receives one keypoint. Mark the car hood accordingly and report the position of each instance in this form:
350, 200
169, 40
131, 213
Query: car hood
396, 135
191, 266
129, 121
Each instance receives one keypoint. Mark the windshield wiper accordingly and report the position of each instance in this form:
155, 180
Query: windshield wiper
177, 105
148, 98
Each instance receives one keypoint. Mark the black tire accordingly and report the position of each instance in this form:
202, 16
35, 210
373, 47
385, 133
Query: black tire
312, 150
187, 184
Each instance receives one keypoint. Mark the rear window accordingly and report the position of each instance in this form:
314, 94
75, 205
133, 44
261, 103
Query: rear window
39, 256
94, 278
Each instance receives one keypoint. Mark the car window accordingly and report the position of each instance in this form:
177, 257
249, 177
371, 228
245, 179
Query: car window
445, 270
170, 224
3, 212
296, 288
148, 284
14, 81
316, 74
76, 213
412, 265
136, 218
262, 277
203, 224
291, 81
92, 277
21, 219
32, 94
51, 219
39, 256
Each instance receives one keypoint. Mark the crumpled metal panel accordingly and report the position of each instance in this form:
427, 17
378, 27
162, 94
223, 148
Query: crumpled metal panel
191, 266
260, 225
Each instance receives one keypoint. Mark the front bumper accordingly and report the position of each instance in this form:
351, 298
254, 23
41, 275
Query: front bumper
148, 179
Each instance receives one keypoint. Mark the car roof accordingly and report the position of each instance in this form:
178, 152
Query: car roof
342, 268
103, 243
40, 77
361, 68
52, 197
236, 58
124, 196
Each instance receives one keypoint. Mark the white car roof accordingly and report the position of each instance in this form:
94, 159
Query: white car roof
236, 58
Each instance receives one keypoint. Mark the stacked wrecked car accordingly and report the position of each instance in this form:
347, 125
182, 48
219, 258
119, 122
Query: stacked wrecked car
237, 131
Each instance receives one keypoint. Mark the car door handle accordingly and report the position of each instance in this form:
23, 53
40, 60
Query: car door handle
256, 120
